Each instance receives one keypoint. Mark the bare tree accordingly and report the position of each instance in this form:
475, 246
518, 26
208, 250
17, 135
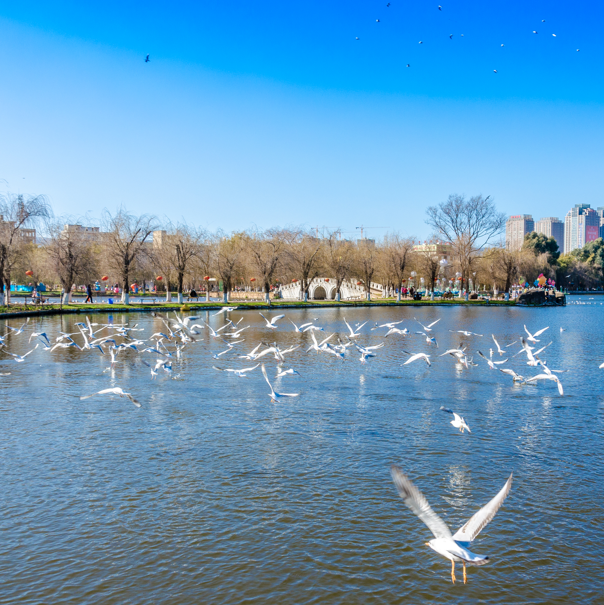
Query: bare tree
366, 260
17, 214
126, 238
429, 263
395, 258
71, 256
265, 249
228, 251
339, 259
304, 255
467, 225
180, 244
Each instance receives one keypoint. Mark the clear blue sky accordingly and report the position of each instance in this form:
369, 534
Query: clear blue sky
272, 113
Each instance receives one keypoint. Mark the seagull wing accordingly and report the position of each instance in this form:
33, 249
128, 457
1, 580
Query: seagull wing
267, 381
433, 323
349, 328
417, 502
540, 332
134, 401
276, 318
447, 410
483, 517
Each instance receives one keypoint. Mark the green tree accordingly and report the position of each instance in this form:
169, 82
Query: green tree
538, 243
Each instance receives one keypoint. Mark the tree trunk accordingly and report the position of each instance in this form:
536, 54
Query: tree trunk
225, 295
180, 287
338, 296
306, 296
398, 295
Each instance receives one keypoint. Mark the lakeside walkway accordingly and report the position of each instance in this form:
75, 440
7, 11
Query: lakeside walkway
54, 309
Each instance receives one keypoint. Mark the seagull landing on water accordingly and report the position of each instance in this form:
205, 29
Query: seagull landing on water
453, 547
114, 391
458, 422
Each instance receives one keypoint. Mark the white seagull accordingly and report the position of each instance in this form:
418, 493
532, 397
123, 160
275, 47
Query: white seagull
492, 364
453, 547
114, 391
275, 397
271, 324
241, 373
427, 328
515, 377
417, 356
21, 358
533, 337
465, 332
499, 349
291, 372
353, 333
458, 422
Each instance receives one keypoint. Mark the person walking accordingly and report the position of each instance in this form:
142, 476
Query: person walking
88, 294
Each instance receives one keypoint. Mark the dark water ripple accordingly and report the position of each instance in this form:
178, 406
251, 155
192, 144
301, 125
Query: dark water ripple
210, 493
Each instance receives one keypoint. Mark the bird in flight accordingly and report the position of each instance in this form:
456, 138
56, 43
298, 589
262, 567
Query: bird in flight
147, 59
453, 547
440, 7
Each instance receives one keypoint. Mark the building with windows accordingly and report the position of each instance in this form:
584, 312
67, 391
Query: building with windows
516, 227
435, 248
581, 225
89, 233
27, 235
552, 227
600, 211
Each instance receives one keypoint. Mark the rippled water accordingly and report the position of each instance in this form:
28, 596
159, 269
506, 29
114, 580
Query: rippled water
210, 493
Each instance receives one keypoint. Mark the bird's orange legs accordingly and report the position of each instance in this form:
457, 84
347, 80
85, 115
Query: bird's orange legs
465, 578
453, 571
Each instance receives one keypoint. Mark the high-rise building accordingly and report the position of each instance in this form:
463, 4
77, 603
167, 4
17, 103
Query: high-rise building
552, 227
516, 228
600, 211
581, 225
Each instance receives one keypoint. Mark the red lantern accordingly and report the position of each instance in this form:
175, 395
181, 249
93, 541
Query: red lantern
30, 273
294, 281
104, 278
327, 279
207, 278
359, 283
253, 279
159, 278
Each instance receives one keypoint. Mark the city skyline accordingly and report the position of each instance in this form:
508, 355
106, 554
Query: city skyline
285, 118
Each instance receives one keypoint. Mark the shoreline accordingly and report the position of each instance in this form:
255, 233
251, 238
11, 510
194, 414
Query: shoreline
84, 308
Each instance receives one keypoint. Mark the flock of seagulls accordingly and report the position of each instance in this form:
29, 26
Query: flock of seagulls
440, 9
158, 351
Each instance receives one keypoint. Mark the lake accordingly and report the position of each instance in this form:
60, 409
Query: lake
211, 493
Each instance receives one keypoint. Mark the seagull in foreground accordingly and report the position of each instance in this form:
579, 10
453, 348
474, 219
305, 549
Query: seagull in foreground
396, 331
458, 422
427, 328
453, 547
272, 322
533, 337
21, 358
492, 364
275, 397
114, 391
417, 356
41, 335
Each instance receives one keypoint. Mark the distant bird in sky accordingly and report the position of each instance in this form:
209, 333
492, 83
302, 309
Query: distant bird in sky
377, 20
534, 32
578, 49
450, 36
357, 38
440, 7
420, 42
554, 35
388, 5
494, 71
502, 46
542, 20
408, 65
147, 59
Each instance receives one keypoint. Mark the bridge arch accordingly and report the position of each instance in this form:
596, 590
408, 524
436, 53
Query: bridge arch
319, 293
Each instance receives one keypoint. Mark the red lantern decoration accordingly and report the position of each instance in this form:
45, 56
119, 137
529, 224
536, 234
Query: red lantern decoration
294, 281
159, 278
327, 279
104, 278
207, 278
359, 283
253, 279
30, 273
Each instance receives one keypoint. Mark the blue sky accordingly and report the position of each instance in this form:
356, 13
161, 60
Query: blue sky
273, 114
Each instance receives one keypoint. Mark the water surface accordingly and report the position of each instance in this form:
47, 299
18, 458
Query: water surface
210, 493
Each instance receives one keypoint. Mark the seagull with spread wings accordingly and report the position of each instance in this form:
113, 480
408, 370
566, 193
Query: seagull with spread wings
114, 391
275, 397
451, 546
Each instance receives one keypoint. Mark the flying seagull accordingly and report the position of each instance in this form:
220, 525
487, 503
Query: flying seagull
458, 422
453, 547
147, 59
275, 397
273, 321
114, 391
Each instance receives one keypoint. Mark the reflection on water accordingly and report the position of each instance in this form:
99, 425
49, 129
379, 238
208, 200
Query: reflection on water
211, 493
